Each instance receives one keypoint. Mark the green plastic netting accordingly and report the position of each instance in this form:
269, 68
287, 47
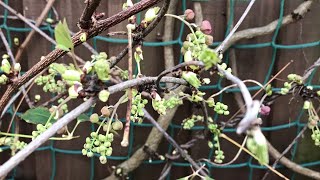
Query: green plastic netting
173, 127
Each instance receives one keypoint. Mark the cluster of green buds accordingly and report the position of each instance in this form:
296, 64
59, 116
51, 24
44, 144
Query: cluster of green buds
161, 105
7, 69
3, 79
196, 97
313, 121
188, 123
158, 104
221, 109
293, 78
196, 47
210, 58
224, 66
5, 64
40, 129
316, 135
50, 84
172, 102
14, 145
101, 66
138, 104
105, 113
100, 144
64, 107
195, 43
268, 90
219, 155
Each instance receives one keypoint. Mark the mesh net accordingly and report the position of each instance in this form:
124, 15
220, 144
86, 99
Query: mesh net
174, 127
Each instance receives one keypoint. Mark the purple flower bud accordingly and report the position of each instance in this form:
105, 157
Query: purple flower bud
206, 27
265, 110
189, 14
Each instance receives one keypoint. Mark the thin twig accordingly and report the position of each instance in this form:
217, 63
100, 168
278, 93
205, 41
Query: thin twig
286, 150
250, 33
291, 165
125, 138
86, 16
38, 30
221, 48
251, 154
145, 32
32, 32
176, 145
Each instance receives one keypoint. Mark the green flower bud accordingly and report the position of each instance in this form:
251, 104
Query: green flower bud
291, 77
94, 118
71, 76
206, 80
74, 90
5, 66
5, 56
3, 79
94, 134
117, 125
103, 159
107, 144
16, 41
191, 78
306, 105
105, 111
83, 37
188, 56
84, 152
109, 152
102, 69
17, 67
90, 154
209, 58
104, 95
151, 14
49, 20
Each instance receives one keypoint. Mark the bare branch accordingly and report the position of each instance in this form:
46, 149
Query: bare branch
301, 10
291, 165
38, 30
221, 48
30, 35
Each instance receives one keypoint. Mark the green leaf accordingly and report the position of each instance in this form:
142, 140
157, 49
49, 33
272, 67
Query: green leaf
39, 115
62, 36
83, 118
